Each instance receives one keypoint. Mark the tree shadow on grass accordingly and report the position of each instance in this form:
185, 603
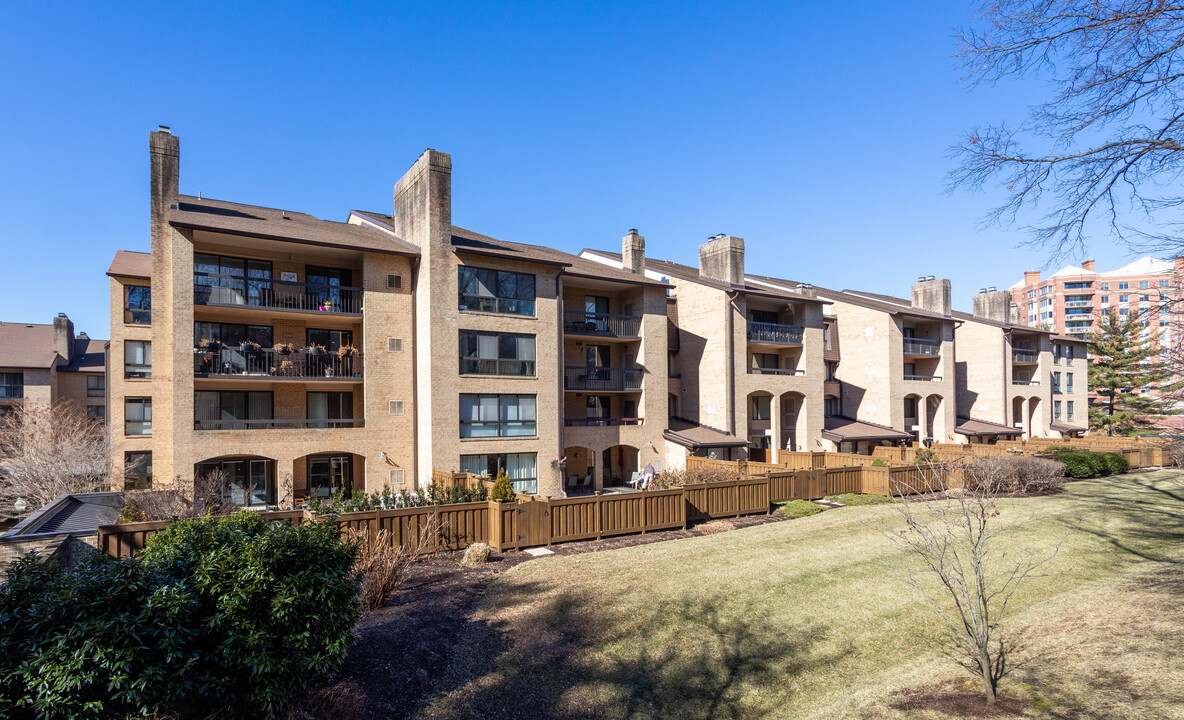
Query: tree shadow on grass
571, 658
1152, 516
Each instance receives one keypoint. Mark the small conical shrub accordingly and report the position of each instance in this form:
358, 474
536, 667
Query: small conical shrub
503, 489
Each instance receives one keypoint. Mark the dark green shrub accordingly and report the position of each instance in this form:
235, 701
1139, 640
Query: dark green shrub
925, 456
232, 615
1116, 463
879, 462
1083, 464
503, 489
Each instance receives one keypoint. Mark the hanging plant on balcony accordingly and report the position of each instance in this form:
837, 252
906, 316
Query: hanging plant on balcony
208, 345
345, 351
248, 347
314, 350
283, 348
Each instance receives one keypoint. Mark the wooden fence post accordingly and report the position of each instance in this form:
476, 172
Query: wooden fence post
599, 513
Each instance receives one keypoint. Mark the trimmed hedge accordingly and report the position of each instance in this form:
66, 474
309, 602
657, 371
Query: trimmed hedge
1086, 464
232, 616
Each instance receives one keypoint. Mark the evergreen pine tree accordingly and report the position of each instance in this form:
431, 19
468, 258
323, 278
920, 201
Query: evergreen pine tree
1122, 364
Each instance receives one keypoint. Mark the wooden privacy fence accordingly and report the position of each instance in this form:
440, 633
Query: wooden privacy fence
542, 521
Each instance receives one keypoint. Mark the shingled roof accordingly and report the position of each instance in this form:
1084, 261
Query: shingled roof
694, 436
128, 263
976, 428
27, 345
840, 429
285, 225
686, 272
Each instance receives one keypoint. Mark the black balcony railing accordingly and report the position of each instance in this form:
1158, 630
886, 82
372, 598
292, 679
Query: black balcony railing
920, 346
602, 422
775, 371
268, 362
775, 333
576, 322
1023, 356
233, 290
602, 378
236, 424
12, 392
924, 378
1025, 382
481, 366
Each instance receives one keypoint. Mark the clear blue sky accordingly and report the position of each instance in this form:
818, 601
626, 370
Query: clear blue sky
818, 132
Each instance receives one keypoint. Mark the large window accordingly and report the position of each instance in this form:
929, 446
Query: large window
97, 412
330, 406
496, 291
332, 285
522, 468
329, 474
137, 359
1068, 382
247, 482
12, 386
497, 416
232, 334
137, 416
762, 407
96, 386
221, 280
137, 304
137, 470
331, 340
231, 409
484, 353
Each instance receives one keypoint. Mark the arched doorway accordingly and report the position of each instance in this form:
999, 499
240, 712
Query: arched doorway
793, 422
1019, 418
579, 469
760, 426
1035, 424
913, 417
244, 480
935, 426
619, 464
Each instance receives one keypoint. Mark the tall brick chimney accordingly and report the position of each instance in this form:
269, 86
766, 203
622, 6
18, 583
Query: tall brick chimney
993, 306
63, 336
1088, 265
1031, 276
932, 295
633, 252
164, 148
722, 258
423, 203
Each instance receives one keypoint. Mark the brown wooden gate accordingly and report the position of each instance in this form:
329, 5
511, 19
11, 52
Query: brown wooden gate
534, 523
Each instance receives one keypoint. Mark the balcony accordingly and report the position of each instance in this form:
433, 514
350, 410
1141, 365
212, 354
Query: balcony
1024, 357
278, 423
775, 333
1082, 317
602, 422
576, 322
272, 364
793, 372
919, 346
1025, 382
1079, 304
236, 291
924, 378
602, 379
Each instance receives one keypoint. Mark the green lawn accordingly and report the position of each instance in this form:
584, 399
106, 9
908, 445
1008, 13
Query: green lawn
806, 619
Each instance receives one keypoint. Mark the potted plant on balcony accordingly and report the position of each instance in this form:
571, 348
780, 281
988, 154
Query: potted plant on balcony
345, 351
248, 347
283, 348
209, 345
315, 350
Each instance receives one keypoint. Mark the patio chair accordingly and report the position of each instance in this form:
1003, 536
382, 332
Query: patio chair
635, 480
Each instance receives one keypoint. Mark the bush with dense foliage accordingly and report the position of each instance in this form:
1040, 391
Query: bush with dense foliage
879, 462
503, 489
798, 508
342, 502
1086, 464
229, 615
1014, 474
925, 456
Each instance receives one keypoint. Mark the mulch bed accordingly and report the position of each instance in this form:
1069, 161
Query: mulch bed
955, 700
403, 646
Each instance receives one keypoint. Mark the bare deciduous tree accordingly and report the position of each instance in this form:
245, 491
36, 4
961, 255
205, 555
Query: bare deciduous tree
1109, 138
969, 568
47, 450
211, 496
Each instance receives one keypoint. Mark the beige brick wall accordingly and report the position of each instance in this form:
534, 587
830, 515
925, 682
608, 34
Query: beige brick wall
983, 372
118, 387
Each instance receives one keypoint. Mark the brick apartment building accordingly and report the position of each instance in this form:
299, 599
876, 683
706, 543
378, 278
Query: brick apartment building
303, 356
49, 364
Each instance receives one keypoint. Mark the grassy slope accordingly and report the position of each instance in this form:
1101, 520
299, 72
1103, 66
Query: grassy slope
806, 620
